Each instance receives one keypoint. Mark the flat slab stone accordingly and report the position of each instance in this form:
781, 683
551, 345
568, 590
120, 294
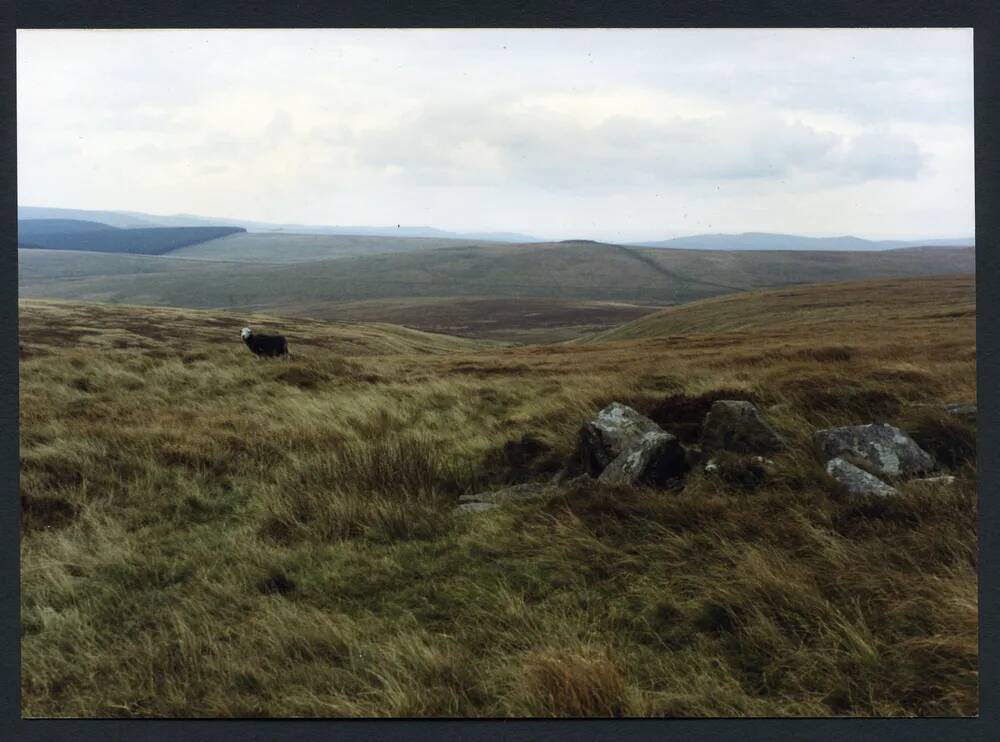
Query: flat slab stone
857, 481
890, 451
476, 507
516, 493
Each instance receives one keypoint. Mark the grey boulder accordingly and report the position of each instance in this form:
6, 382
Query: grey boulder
888, 450
616, 428
657, 459
857, 481
737, 426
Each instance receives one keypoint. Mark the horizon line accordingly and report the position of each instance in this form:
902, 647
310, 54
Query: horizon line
550, 238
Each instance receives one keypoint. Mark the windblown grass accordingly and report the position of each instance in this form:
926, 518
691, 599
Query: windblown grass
210, 535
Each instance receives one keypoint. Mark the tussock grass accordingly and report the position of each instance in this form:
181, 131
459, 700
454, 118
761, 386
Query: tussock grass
209, 535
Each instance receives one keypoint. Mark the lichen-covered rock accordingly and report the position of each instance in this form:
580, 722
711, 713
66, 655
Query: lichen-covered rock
857, 481
737, 426
657, 459
888, 450
616, 428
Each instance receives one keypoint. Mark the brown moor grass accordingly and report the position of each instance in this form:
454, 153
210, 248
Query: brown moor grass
205, 534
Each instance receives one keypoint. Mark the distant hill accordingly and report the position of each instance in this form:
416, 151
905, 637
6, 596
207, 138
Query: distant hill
744, 241
69, 235
578, 271
498, 236
131, 219
291, 247
397, 231
27, 228
119, 219
768, 241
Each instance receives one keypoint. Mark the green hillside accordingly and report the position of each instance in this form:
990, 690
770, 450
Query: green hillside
818, 309
531, 320
575, 270
64, 268
281, 247
745, 269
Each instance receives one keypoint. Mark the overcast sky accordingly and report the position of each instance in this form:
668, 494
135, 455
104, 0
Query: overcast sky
602, 134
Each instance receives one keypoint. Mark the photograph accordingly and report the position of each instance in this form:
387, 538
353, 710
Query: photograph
497, 373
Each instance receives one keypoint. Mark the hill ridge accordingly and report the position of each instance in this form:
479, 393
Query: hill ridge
810, 304
783, 241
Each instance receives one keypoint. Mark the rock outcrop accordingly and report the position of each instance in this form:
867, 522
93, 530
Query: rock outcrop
888, 450
601, 440
657, 459
621, 446
737, 426
857, 481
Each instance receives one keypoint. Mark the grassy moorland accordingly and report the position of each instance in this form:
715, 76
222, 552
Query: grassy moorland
494, 318
210, 535
570, 271
287, 247
537, 293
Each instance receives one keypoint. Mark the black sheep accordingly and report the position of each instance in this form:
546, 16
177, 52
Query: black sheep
265, 345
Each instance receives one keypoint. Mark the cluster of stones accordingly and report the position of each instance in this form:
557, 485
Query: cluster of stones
886, 452
622, 447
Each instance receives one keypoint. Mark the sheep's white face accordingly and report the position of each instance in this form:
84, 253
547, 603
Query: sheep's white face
246, 333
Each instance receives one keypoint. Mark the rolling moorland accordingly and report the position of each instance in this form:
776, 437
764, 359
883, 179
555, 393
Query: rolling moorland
206, 534
743, 241
226, 244
539, 292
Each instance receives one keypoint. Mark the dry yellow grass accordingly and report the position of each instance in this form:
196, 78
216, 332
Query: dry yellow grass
212, 535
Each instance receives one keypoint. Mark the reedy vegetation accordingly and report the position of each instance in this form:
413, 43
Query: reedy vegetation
218, 536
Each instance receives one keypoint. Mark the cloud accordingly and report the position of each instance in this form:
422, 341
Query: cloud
551, 128
453, 144
879, 155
